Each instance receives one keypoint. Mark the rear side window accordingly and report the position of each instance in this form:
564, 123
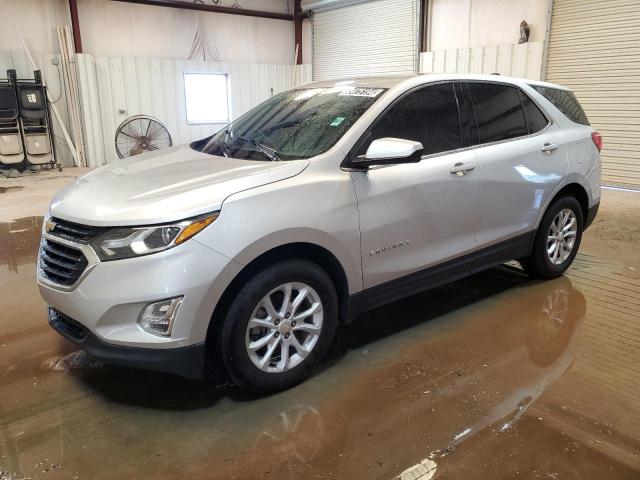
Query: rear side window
429, 116
498, 111
565, 101
536, 120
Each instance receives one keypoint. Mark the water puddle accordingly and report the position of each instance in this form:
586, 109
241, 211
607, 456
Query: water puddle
19, 242
494, 376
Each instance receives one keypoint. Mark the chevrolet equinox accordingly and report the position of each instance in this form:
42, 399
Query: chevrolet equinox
246, 249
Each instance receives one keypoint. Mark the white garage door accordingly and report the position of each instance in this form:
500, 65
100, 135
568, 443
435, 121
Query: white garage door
594, 49
375, 37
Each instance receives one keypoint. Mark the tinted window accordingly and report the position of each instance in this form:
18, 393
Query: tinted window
295, 124
536, 120
566, 102
429, 116
498, 110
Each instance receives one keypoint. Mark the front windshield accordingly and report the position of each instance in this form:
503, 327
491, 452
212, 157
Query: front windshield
295, 124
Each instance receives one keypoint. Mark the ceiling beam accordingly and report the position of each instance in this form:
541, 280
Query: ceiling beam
211, 8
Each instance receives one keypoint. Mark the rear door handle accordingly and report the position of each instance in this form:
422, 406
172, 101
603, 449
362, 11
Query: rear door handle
549, 147
461, 169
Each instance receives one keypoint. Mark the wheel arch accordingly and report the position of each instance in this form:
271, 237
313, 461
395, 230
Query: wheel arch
532, 262
579, 192
291, 251
574, 189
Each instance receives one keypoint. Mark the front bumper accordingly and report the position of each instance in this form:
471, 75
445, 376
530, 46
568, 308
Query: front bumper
187, 362
107, 302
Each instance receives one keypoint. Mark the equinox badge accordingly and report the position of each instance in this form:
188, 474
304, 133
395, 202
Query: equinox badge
388, 248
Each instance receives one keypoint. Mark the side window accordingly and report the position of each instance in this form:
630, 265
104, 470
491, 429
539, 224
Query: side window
498, 110
429, 116
536, 120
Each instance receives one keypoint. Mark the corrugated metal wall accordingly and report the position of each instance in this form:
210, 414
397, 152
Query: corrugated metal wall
52, 76
375, 37
524, 60
594, 48
155, 87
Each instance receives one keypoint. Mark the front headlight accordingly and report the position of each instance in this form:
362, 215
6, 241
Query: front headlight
125, 242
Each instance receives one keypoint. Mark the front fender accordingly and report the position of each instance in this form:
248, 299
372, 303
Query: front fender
316, 207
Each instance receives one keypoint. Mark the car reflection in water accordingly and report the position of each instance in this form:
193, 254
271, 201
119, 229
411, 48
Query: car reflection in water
541, 327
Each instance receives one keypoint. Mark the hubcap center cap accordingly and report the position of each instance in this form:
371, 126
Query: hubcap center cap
284, 327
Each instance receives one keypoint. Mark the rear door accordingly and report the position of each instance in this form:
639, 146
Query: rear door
413, 216
522, 158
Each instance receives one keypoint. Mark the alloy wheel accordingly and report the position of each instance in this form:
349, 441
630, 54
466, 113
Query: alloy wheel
284, 327
562, 236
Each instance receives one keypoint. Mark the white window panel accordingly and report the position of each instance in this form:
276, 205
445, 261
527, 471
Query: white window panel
207, 97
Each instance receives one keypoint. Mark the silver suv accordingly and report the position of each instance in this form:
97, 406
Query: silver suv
248, 248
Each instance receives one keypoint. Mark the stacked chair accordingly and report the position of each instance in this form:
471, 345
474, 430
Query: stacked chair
25, 126
11, 149
35, 123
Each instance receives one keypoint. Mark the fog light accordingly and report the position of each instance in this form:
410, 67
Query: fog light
158, 317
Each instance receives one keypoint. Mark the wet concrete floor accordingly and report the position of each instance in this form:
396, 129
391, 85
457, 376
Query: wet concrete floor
496, 376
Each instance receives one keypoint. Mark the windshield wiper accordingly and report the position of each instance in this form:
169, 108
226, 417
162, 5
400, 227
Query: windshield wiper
268, 152
224, 144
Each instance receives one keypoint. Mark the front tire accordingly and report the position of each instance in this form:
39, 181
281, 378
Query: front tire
557, 239
279, 326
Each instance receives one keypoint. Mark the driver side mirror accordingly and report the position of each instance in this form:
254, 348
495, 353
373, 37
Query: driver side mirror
391, 151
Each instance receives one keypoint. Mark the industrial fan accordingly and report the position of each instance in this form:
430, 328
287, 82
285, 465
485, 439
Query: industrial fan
140, 134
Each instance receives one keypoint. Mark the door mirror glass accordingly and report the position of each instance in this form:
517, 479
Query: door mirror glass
388, 151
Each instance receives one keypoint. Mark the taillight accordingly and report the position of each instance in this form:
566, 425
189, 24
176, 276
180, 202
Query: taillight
597, 140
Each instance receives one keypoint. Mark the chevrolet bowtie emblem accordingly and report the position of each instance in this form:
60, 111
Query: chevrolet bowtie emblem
50, 225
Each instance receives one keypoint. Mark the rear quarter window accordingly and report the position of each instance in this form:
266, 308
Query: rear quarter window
565, 101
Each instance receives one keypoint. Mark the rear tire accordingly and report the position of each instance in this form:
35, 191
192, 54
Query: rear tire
269, 343
557, 239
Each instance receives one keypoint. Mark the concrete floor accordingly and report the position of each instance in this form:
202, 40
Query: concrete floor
496, 376
30, 194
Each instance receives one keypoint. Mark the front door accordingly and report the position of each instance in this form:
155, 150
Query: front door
419, 215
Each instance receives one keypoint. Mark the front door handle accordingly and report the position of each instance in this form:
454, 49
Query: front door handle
461, 169
549, 147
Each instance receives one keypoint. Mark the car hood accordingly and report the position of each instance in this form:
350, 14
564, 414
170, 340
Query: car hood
162, 186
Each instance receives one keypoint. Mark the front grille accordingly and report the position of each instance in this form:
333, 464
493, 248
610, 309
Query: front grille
65, 324
74, 231
61, 264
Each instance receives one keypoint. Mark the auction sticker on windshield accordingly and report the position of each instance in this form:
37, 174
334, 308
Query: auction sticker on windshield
362, 92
